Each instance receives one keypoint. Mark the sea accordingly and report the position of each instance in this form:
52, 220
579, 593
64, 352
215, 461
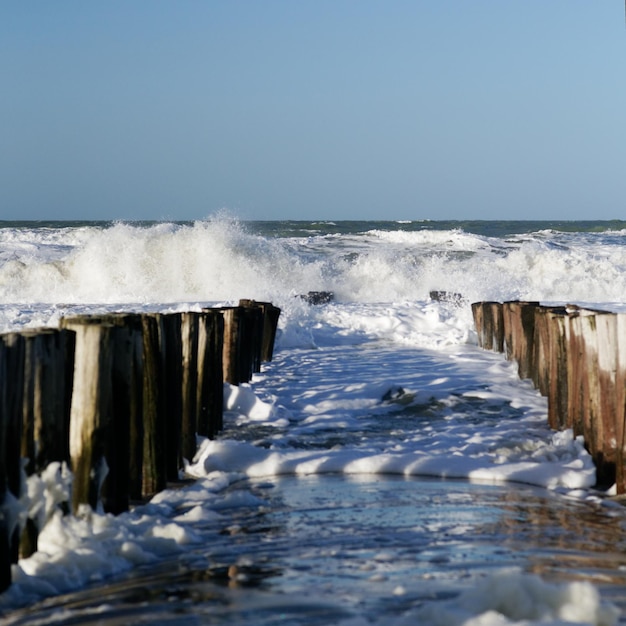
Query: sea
381, 470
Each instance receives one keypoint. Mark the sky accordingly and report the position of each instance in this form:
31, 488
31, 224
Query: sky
318, 109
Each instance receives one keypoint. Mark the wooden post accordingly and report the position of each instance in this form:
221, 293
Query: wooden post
6, 522
559, 375
172, 372
14, 413
541, 349
154, 468
269, 315
91, 411
106, 412
232, 345
610, 413
203, 374
489, 323
478, 313
11, 391
189, 335
479, 323
251, 340
620, 404
270, 327
210, 398
519, 330
582, 367
48, 373
545, 347
254, 320
130, 383
586, 337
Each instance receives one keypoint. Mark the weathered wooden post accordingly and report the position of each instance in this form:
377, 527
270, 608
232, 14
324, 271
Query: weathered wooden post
545, 346
154, 467
620, 403
123, 443
210, 398
558, 404
106, 411
11, 391
583, 326
6, 521
129, 381
519, 330
91, 411
489, 323
265, 331
609, 406
582, 375
270, 327
172, 373
252, 339
48, 373
189, 336
478, 314
6, 518
14, 412
541, 349
232, 345
244, 342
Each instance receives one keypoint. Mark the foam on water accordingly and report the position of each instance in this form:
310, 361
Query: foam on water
124, 263
515, 598
221, 259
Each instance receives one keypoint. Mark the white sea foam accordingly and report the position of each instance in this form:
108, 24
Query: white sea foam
515, 598
220, 259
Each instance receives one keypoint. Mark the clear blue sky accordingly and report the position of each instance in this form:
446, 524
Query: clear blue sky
318, 109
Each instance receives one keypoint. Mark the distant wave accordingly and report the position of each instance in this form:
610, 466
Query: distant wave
223, 259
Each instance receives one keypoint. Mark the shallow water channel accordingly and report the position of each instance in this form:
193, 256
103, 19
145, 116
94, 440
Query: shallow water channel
329, 549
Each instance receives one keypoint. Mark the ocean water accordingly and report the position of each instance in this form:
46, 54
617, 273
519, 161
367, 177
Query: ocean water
380, 470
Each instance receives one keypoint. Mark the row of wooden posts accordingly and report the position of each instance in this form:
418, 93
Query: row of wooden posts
576, 357
120, 398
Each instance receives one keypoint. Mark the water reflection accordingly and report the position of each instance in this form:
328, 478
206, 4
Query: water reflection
564, 538
324, 548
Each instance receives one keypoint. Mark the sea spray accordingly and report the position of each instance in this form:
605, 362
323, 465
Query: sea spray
223, 259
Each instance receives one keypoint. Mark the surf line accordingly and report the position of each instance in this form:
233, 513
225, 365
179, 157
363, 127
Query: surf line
576, 357
119, 399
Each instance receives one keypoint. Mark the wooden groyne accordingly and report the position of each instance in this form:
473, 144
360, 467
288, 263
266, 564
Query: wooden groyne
119, 398
576, 357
